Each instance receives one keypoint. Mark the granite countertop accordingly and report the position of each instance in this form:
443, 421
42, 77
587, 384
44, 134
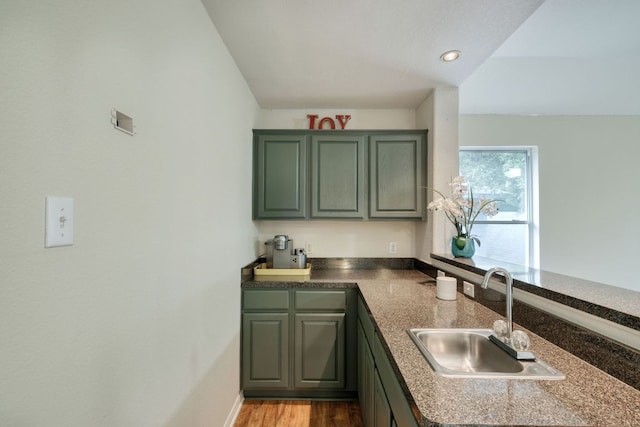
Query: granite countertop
613, 303
403, 299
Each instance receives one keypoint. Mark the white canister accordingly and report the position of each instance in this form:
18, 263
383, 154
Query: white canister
446, 288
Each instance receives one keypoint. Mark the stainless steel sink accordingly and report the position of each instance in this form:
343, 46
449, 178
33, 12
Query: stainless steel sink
468, 353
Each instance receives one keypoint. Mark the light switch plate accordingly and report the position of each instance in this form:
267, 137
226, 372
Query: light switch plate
59, 221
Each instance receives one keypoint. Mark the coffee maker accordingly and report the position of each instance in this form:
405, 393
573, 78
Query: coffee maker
281, 254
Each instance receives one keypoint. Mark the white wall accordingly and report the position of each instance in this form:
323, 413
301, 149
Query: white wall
343, 238
588, 179
439, 113
137, 323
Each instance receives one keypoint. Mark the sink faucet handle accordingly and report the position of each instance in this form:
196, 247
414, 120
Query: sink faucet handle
500, 329
520, 340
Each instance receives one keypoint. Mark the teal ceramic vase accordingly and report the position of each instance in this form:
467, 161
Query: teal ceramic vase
463, 247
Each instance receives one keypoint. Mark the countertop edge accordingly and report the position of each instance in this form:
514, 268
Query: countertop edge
542, 287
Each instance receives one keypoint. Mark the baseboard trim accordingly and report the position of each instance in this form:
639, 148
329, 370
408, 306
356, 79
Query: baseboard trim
235, 410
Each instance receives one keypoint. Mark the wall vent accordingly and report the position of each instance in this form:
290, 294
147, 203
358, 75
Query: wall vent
122, 122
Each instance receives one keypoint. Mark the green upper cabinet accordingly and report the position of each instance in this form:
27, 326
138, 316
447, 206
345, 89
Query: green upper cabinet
280, 176
396, 170
358, 175
338, 176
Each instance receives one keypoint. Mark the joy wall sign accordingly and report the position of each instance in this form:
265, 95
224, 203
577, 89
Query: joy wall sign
328, 122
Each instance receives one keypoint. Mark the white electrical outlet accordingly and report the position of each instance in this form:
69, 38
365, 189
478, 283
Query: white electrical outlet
393, 247
307, 248
468, 289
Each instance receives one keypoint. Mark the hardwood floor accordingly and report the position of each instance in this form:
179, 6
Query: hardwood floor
298, 413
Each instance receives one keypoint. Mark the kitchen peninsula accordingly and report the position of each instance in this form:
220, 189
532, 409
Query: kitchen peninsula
399, 299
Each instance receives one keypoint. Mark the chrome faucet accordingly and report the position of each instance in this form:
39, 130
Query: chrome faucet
509, 282
516, 343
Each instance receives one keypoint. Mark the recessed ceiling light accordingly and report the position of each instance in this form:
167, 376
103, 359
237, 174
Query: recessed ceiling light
450, 55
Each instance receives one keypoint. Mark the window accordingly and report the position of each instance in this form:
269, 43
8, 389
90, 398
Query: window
509, 175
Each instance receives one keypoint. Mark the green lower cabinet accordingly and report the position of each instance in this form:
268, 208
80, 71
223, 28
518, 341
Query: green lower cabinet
299, 343
366, 371
383, 415
319, 350
382, 400
400, 408
265, 344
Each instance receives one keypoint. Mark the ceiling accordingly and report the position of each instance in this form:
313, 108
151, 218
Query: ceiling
518, 57
571, 57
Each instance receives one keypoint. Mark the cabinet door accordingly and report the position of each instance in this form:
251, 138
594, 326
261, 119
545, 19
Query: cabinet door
338, 176
280, 183
396, 173
365, 379
319, 351
265, 350
395, 396
382, 409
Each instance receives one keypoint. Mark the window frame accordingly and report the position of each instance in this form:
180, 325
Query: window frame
531, 197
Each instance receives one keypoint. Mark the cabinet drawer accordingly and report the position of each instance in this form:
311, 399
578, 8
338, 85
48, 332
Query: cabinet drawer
263, 299
335, 300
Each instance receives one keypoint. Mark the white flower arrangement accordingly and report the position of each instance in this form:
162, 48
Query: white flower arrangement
462, 210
